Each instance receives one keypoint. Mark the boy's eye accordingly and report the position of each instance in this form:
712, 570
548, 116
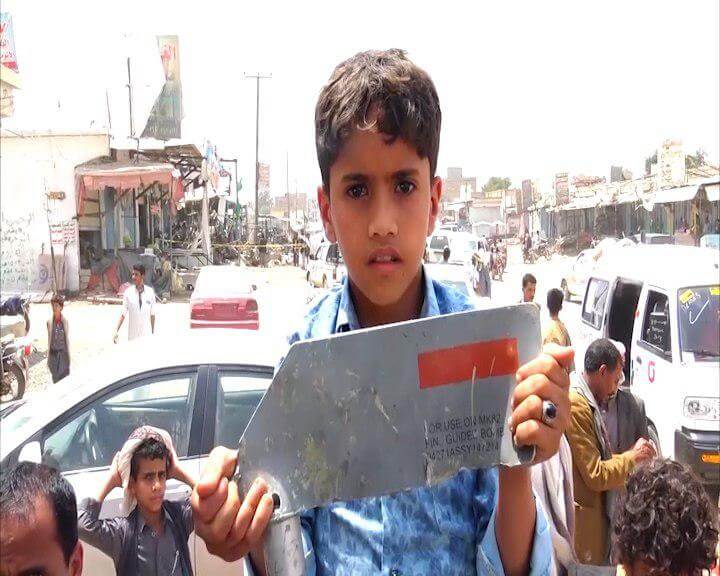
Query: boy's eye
357, 191
405, 187
161, 475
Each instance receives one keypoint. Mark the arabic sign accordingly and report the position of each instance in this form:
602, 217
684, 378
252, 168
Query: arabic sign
62, 233
562, 192
166, 115
8, 58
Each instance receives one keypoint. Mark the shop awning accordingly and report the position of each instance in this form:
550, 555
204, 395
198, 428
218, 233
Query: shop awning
124, 176
681, 194
579, 203
713, 192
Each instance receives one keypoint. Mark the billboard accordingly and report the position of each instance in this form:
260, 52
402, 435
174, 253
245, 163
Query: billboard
8, 58
166, 115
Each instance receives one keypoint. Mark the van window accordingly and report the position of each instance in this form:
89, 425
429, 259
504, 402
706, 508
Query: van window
595, 299
656, 323
699, 312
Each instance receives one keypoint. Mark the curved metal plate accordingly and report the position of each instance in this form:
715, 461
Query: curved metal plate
387, 409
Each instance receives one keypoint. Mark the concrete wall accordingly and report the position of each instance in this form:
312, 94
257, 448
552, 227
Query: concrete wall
32, 165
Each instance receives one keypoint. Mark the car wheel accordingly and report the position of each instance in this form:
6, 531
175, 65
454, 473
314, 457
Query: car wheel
566, 291
13, 384
653, 435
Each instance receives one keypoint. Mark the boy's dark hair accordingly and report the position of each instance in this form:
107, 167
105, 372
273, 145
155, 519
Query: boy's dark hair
384, 84
554, 301
601, 351
139, 268
529, 279
58, 299
665, 519
24, 484
149, 449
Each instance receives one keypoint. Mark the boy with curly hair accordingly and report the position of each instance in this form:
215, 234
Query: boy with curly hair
665, 524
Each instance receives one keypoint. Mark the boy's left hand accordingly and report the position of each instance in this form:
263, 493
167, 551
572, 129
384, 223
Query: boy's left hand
544, 378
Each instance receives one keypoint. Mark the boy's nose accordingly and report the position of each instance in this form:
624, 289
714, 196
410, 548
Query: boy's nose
383, 220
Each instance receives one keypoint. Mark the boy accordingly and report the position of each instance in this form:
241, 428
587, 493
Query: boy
665, 523
555, 331
153, 538
38, 531
377, 135
58, 340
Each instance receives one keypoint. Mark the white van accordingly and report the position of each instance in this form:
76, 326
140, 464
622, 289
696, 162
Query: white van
663, 303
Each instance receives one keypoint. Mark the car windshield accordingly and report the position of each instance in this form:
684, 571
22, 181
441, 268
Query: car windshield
223, 280
699, 315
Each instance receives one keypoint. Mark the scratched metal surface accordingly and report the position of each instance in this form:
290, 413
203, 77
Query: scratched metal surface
345, 418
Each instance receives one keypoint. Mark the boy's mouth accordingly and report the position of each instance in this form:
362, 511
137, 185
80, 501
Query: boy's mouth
384, 258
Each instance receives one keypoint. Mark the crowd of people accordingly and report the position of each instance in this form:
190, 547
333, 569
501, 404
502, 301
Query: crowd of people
589, 499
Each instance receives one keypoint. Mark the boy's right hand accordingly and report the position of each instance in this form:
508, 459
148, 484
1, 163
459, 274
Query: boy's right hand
230, 527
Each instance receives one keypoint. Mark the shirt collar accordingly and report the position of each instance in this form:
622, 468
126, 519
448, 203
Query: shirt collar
142, 523
347, 318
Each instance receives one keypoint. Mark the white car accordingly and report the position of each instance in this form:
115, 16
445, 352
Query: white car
202, 387
573, 284
326, 268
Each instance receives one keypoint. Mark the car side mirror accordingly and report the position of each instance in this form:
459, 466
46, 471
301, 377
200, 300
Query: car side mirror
31, 452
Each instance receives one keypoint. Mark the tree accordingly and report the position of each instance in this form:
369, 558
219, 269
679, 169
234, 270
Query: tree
696, 160
496, 183
649, 161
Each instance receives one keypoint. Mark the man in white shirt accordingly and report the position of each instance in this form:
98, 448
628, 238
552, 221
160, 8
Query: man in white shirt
138, 306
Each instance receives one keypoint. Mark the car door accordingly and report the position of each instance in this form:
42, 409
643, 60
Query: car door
82, 442
652, 377
576, 282
233, 394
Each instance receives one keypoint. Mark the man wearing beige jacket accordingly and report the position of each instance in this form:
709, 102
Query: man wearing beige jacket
595, 469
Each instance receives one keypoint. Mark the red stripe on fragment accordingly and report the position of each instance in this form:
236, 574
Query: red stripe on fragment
453, 365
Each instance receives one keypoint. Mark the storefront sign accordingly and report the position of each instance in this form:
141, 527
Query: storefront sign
166, 115
62, 233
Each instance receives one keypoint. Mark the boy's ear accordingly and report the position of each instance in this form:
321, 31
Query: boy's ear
323, 198
435, 196
76, 560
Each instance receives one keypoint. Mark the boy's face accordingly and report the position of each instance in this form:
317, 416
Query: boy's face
149, 485
380, 208
529, 292
57, 309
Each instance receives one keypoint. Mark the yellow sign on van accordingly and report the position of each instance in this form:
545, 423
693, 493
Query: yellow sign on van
715, 290
686, 296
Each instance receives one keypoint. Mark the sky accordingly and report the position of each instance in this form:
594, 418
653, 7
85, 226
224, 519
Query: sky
527, 89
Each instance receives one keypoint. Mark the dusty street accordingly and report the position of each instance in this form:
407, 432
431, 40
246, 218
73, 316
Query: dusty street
283, 296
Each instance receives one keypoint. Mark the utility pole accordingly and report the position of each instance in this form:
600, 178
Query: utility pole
257, 78
287, 187
129, 87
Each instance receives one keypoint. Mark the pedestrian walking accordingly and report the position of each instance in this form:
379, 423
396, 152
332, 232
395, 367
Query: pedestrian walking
138, 306
58, 340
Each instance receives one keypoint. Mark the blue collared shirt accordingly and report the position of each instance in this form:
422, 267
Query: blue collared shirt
446, 529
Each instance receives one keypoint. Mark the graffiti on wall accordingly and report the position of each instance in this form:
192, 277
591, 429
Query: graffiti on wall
17, 261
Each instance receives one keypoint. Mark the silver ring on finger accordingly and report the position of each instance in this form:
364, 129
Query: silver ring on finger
549, 412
